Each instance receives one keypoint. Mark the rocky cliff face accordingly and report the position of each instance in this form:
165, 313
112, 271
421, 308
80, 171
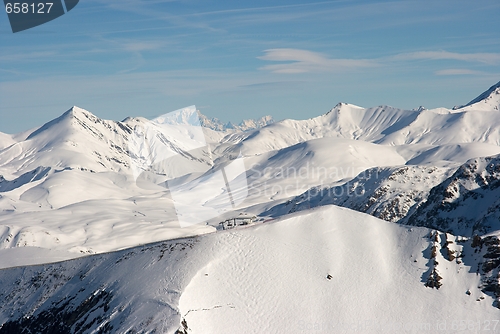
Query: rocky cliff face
466, 203
389, 193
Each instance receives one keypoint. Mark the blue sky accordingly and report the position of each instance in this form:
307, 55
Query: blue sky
246, 59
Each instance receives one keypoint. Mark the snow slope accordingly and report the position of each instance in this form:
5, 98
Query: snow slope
5, 140
381, 125
389, 193
448, 155
292, 170
462, 201
326, 270
70, 185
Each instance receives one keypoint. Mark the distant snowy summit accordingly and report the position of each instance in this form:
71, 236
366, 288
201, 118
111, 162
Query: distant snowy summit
245, 125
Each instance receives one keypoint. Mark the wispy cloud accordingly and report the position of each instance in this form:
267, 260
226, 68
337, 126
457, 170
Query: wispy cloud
27, 56
154, 10
458, 71
485, 58
142, 46
265, 8
302, 61
263, 86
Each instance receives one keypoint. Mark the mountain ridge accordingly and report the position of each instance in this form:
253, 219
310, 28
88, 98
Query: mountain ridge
195, 285
360, 214
489, 98
97, 160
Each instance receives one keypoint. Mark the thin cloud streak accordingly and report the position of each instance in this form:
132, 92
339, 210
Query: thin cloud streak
142, 46
254, 9
485, 58
458, 71
303, 61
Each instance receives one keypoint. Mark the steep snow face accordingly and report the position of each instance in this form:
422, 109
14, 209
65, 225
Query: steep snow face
344, 121
324, 269
466, 203
452, 128
135, 290
489, 100
32, 176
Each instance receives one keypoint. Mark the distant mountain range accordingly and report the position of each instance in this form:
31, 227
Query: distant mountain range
416, 149
329, 191
245, 125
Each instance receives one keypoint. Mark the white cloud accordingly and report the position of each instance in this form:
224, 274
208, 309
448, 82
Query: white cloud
458, 71
485, 58
302, 61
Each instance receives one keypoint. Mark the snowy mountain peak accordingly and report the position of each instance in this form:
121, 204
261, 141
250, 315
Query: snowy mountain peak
184, 116
341, 106
74, 119
63, 119
337, 107
211, 123
76, 111
489, 100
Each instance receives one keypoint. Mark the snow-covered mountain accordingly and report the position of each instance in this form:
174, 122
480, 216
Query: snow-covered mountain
466, 203
489, 100
67, 183
388, 193
80, 185
324, 269
463, 201
81, 141
94, 158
